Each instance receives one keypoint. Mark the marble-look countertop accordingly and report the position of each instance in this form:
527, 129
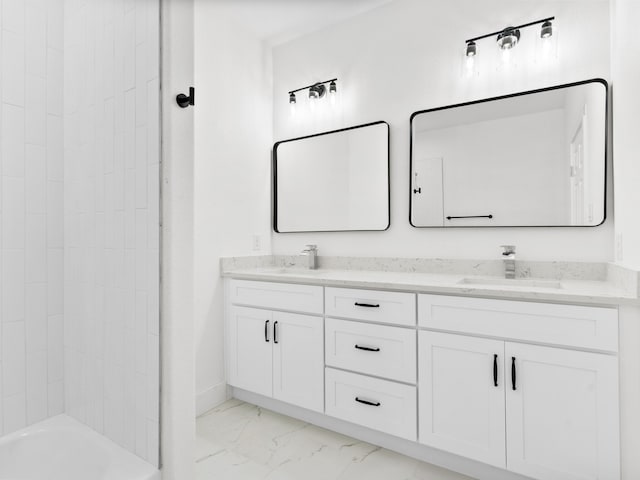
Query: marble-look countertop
608, 290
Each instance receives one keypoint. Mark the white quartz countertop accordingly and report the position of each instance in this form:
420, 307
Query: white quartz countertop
566, 291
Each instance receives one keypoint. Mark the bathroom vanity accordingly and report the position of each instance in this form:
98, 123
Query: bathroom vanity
503, 380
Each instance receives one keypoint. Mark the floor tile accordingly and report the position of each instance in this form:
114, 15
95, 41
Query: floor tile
240, 441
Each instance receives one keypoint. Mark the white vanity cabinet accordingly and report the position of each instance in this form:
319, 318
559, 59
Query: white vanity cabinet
274, 353
550, 413
529, 388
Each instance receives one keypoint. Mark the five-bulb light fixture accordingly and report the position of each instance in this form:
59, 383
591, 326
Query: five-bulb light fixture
316, 91
509, 37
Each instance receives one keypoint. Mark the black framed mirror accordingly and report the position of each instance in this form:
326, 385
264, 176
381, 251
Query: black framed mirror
534, 159
334, 181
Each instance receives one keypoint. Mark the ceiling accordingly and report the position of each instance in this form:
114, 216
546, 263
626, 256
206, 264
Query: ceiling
279, 21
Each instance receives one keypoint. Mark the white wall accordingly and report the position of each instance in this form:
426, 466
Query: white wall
625, 51
31, 209
178, 352
112, 246
406, 56
232, 174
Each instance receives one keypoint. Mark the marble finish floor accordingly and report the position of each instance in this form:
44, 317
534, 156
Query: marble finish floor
240, 441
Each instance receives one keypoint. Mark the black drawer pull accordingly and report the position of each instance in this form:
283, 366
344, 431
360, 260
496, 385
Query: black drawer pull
368, 305
275, 332
513, 373
367, 349
495, 370
266, 331
366, 402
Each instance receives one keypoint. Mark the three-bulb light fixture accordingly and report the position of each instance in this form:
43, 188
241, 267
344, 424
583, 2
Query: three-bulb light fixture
510, 36
316, 91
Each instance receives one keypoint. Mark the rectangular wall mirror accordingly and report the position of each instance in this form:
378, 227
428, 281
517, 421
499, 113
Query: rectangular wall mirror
535, 158
333, 181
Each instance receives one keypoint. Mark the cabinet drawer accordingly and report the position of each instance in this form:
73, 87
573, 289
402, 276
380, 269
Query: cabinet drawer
282, 296
567, 325
372, 305
378, 404
379, 350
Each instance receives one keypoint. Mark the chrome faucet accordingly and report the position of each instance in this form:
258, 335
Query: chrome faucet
311, 251
509, 256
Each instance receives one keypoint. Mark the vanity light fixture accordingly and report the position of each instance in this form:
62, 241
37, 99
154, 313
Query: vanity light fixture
316, 91
508, 37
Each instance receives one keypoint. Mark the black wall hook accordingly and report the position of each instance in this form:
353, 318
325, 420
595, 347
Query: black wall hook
184, 101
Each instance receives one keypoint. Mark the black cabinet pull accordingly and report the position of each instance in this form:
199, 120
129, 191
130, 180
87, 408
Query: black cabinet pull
495, 370
366, 402
266, 331
513, 373
368, 305
275, 332
367, 349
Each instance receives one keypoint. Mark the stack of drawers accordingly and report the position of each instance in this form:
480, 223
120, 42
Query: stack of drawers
370, 357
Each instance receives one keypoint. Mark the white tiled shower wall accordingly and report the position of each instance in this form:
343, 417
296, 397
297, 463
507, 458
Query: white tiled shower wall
31, 212
111, 219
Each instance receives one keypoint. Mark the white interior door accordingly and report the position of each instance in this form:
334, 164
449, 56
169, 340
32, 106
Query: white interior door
461, 402
298, 360
250, 349
427, 205
562, 417
577, 177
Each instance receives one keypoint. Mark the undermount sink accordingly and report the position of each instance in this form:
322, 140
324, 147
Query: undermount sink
511, 282
289, 271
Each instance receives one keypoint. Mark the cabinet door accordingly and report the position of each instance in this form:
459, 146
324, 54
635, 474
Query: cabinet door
249, 349
562, 417
461, 402
298, 360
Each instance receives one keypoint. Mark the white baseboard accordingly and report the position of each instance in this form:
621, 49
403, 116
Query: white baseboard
211, 398
465, 466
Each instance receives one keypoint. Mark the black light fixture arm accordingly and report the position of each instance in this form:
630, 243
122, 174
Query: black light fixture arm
524, 25
313, 85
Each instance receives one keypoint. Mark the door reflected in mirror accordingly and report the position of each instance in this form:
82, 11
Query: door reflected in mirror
531, 159
333, 181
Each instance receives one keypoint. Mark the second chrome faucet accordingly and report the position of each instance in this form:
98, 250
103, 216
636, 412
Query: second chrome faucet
509, 257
